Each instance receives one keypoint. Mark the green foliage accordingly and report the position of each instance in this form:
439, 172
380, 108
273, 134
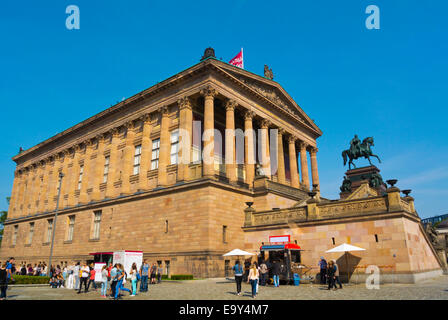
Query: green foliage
182, 277
31, 279
3, 216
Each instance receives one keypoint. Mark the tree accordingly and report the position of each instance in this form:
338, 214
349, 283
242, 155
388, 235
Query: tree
3, 216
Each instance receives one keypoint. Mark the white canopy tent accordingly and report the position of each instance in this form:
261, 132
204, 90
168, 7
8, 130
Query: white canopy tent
238, 252
345, 248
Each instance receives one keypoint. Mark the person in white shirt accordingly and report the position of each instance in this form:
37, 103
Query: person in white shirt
76, 270
253, 278
85, 272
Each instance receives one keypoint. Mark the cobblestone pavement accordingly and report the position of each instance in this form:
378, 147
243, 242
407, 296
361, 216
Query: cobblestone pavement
222, 289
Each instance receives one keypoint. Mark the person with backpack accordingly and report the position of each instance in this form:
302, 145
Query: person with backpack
144, 272
113, 280
238, 271
323, 270
264, 272
331, 270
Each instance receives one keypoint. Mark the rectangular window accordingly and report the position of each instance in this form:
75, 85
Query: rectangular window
96, 224
155, 154
14, 237
106, 168
49, 230
174, 146
224, 234
30, 235
166, 226
71, 228
81, 171
137, 156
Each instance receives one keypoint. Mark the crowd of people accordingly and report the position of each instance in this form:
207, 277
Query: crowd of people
75, 276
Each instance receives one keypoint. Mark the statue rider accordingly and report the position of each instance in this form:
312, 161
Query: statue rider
355, 146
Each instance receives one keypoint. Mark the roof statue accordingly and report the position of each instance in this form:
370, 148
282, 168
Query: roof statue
209, 52
359, 149
268, 73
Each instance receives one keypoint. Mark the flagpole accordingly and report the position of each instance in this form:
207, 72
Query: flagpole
242, 57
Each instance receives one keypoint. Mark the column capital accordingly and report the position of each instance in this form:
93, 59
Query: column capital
99, 137
145, 117
292, 139
249, 115
114, 132
209, 92
313, 150
129, 125
303, 145
264, 124
66, 152
184, 103
89, 143
281, 131
230, 105
164, 111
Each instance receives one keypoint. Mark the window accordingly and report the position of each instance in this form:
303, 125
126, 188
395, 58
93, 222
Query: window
30, 235
137, 155
166, 226
96, 224
376, 238
14, 238
332, 239
155, 154
224, 234
49, 230
106, 168
71, 228
81, 171
174, 146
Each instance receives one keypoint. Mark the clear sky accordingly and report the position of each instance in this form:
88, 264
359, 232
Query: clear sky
389, 83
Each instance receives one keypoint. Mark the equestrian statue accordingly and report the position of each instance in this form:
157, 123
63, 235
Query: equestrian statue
359, 149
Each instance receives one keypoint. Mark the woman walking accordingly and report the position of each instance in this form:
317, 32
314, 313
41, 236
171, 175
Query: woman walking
331, 270
238, 271
253, 277
120, 279
134, 279
104, 279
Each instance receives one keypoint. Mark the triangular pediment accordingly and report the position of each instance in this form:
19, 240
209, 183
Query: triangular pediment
362, 192
271, 91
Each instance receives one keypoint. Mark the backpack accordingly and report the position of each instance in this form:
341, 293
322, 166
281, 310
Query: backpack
138, 276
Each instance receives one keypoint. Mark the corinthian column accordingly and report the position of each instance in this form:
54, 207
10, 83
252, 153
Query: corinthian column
146, 152
265, 154
98, 170
293, 162
230, 141
304, 165
249, 151
280, 157
185, 137
128, 156
165, 147
83, 196
73, 177
65, 187
208, 159
52, 183
314, 173
113, 163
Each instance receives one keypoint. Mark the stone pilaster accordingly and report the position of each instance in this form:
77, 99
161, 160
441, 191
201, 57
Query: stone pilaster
293, 162
281, 176
45, 185
83, 196
185, 138
314, 172
72, 178
65, 188
98, 170
249, 154
165, 147
128, 158
13, 201
145, 159
265, 154
114, 163
230, 141
52, 182
304, 166
208, 160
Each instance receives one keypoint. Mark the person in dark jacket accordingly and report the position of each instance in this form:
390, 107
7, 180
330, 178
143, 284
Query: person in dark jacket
276, 270
331, 270
3, 281
323, 270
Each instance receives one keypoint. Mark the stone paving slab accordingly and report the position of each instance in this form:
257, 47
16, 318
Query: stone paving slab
223, 289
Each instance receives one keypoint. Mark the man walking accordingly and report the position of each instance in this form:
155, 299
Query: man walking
336, 275
144, 272
323, 270
263, 273
276, 269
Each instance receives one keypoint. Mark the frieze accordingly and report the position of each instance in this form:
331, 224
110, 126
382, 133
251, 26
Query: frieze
334, 210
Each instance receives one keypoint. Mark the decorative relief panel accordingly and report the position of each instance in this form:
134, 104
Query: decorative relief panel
335, 210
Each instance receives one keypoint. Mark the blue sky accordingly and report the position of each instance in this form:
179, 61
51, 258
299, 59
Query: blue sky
389, 83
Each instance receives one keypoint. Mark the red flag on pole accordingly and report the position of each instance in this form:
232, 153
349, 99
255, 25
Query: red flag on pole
238, 60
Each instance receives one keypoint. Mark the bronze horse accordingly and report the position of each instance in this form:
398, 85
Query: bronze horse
364, 151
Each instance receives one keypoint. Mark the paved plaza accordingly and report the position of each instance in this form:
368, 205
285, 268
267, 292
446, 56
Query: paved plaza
223, 289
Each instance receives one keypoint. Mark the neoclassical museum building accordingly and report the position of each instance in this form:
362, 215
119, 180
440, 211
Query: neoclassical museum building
124, 186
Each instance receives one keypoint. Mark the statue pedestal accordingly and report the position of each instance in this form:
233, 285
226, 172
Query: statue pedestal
359, 176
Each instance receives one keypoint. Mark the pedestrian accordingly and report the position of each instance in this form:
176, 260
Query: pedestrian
92, 277
331, 270
323, 270
153, 273
159, 273
71, 278
134, 279
238, 271
104, 279
144, 271
3, 281
264, 272
23, 270
76, 272
336, 275
113, 280
9, 272
85, 271
65, 275
253, 279
276, 270
246, 270
121, 277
